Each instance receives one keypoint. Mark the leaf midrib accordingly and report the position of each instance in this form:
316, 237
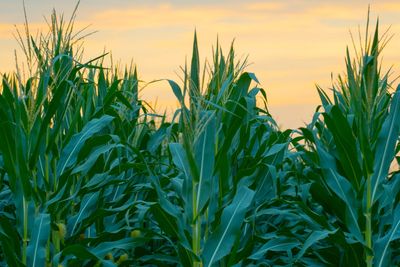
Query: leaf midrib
226, 229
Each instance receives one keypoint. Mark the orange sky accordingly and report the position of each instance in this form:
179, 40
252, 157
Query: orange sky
292, 45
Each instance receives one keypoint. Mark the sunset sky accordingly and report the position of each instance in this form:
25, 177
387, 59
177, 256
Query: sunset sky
292, 45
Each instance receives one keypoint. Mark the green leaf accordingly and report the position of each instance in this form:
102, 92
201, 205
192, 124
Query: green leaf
345, 143
36, 251
7, 147
382, 247
9, 242
105, 247
386, 145
70, 153
166, 222
242, 86
79, 251
177, 91
58, 100
277, 245
324, 97
194, 85
224, 87
221, 241
204, 155
88, 204
343, 189
93, 156
312, 239
180, 160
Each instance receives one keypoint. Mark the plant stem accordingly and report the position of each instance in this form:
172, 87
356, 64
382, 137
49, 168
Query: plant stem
368, 227
196, 228
25, 237
196, 243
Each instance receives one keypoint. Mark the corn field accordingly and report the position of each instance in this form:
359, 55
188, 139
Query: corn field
91, 175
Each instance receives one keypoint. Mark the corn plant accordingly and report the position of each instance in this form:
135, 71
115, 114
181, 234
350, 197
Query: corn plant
337, 197
68, 156
351, 144
90, 175
220, 173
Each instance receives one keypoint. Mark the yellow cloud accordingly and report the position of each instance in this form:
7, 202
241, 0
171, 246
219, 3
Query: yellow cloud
265, 6
293, 44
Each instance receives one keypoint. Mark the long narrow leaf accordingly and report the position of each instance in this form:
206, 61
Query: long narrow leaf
386, 145
36, 255
222, 240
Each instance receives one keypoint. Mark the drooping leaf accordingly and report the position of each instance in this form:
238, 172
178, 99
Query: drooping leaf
70, 152
312, 239
167, 223
277, 245
177, 91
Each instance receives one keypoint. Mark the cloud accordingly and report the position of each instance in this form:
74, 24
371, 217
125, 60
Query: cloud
293, 44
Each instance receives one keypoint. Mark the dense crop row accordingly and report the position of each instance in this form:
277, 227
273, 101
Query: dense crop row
90, 176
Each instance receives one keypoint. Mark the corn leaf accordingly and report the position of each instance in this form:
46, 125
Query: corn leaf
70, 152
36, 251
386, 145
204, 155
221, 241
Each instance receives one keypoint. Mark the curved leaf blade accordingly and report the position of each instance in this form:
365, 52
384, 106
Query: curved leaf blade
386, 145
204, 154
382, 245
222, 240
343, 189
70, 152
36, 251
277, 245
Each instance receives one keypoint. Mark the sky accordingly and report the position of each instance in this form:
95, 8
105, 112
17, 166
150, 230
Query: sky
291, 45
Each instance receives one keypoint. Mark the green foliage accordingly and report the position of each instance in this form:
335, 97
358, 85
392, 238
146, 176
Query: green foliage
349, 147
89, 177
